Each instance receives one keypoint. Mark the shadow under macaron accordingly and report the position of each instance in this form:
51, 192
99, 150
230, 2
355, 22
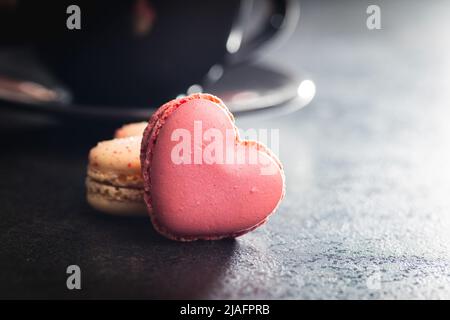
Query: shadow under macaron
135, 261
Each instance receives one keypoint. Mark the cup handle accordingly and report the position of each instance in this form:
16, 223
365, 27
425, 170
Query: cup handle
285, 13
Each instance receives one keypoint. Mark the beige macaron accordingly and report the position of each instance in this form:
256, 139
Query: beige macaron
114, 183
131, 129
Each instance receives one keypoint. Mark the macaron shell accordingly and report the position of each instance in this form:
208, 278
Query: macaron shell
131, 130
158, 117
157, 121
117, 155
208, 201
117, 208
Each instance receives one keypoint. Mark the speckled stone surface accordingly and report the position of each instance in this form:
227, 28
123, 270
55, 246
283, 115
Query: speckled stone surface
367, 209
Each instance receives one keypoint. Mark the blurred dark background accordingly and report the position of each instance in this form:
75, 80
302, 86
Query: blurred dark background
366, 214
134, 53
126, 52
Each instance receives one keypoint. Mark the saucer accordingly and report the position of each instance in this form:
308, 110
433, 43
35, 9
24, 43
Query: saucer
245, 88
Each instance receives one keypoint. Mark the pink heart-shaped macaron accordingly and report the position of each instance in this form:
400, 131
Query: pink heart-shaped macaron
201, 181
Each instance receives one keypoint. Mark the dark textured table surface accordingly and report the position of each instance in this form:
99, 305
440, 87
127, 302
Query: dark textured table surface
367, 209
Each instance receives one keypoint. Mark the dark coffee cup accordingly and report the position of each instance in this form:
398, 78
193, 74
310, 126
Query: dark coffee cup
143, 52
